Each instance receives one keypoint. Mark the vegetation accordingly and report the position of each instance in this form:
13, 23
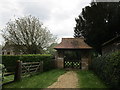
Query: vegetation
42, 80
108, 68
98, 23
88, 79
2, 71
51, 50
8, 78
0, 49
27, 35
10, 60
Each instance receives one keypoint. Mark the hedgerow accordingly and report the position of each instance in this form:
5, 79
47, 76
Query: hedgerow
108, 68
10, 60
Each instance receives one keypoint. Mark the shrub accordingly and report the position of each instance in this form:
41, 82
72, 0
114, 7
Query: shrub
2, 71
10, 60
108, 68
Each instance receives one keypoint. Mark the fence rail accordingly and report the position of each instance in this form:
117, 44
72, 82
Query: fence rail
30, 63
6, 75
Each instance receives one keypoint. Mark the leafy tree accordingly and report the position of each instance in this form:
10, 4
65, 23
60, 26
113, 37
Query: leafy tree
98, 23
28, 35
51, 50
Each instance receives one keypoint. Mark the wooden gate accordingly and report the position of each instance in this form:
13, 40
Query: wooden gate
30, 68
27, 69
74, 64
72, 59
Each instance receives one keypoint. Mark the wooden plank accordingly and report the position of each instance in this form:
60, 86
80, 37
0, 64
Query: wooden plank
7, 82
30, 66
31, 63
8, 74
32, 69
25, 68
33, 66
39, 66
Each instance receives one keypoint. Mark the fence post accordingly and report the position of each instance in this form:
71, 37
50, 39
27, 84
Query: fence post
18, 71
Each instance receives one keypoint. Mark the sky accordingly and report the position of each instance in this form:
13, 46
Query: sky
57, 15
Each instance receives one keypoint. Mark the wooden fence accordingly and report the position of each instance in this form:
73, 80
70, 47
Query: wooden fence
24, 70
6, 75
27, 69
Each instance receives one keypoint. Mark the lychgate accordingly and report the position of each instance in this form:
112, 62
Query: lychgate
73, 53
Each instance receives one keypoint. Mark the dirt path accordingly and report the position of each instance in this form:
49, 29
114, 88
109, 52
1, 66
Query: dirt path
67, 80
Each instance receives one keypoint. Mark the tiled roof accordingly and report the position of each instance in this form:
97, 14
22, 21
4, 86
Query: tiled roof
73, 43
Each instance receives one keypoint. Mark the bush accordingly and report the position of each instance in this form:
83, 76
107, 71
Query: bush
108, 68
2, 71
10, 60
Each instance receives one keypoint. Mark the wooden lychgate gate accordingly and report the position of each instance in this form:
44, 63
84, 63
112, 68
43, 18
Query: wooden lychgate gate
74, 64
72, 59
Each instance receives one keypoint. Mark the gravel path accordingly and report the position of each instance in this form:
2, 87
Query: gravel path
67, 80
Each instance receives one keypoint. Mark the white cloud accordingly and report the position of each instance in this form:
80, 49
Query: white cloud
57, 15
8, 10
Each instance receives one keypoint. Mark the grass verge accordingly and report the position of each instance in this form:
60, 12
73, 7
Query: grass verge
87, 79
8, 78
42, 80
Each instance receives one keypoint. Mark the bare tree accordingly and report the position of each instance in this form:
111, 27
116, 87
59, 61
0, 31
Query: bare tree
28, 35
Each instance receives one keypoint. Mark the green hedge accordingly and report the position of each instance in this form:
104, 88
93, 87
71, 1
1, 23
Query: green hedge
10, 61
108, 68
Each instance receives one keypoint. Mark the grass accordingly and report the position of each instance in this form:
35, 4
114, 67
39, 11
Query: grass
88, 79
8, 78
42, 80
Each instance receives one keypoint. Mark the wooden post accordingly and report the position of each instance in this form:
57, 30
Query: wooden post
18, 71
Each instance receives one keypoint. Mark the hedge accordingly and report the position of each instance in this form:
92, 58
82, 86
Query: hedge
108, 68
10, 60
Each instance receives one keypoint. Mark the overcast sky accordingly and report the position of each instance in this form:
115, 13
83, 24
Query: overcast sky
57, 15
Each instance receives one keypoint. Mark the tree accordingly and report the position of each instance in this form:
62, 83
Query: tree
98, 23
28, 35
0, 49
51, 50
